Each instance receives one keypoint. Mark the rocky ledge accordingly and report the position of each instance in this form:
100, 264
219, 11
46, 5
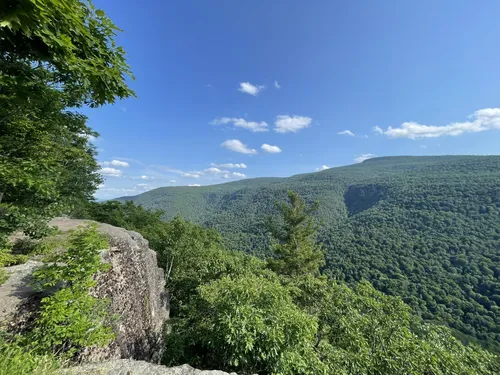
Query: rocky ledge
131, 367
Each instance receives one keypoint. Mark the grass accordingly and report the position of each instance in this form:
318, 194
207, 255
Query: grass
15, 360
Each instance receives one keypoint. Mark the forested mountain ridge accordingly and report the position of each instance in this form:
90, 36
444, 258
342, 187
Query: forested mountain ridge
424, 228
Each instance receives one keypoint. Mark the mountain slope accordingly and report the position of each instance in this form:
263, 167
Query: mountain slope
424, 228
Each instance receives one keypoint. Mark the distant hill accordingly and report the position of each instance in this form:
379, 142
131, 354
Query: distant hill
424, 228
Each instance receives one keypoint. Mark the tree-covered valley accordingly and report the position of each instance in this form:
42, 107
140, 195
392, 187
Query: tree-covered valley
423, 228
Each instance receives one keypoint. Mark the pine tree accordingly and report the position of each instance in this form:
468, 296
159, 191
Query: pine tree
294, 241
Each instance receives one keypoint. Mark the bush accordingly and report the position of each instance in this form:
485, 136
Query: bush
71, 318
251, 324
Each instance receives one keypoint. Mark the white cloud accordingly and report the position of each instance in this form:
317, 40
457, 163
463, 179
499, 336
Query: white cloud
248, 88
363, 157
144, 177
191, 174
214, 170
142, 185
194, 185
237, 146
242, 123
285, 123
239, 175
270, 149
346, 132
115, 163
172, 181
121, 190
277, 85
482, 120
377, 129
322, 168
110, 172
228, 165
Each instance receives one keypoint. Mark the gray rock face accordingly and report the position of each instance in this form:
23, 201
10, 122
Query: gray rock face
135, 285
131, 367
16, 289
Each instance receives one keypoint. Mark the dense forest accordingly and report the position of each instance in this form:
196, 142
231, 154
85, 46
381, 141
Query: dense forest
423, 228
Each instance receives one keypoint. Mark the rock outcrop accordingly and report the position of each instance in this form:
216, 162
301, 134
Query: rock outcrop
134, 285
131, 367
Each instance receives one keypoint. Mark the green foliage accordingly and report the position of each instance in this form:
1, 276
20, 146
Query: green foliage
128, 216
44, 246
4, 276
68, 38
70, 318
8, 259
18, 360
251, 324
54, 55
229, 312
422, 228
296, 250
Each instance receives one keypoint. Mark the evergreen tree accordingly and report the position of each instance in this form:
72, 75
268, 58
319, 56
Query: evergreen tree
294, 241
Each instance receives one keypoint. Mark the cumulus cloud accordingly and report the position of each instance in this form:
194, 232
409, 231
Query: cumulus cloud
228, 165
322, 168
144, 177
115, 163
238, 146
242, 123
481, 120
110, 172
277, 85
285, 123
346, 132
238, 175
378, 129
271, 149
363, 157
215, 171
194, 185
191, 174
248, 88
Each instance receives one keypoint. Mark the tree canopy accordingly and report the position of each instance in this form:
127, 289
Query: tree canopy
422, 228
229, 311
54, 55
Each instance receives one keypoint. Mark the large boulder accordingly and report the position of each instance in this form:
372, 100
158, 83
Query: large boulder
131, 367
134, 285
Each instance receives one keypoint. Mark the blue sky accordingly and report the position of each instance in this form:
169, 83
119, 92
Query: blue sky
271, 84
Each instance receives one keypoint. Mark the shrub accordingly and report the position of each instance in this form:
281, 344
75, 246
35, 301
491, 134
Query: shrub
250, 323
70, 318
